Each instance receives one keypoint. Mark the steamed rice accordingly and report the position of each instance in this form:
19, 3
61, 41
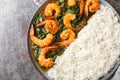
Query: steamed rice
94, 52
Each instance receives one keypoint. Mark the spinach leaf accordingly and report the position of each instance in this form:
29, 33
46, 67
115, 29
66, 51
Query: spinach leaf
73, 9
55, 53
56, 37
41, 33
38, 20
37, 50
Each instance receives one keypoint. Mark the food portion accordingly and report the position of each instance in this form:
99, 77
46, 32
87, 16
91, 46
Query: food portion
94, 51
76, 39
57, 27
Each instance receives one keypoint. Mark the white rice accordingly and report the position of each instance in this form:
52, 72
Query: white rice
94, 52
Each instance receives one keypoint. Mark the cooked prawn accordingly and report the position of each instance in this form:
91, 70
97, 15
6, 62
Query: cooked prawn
92, 6
42, 57
50, 26
52, 7
40, 42
67, 21
71, 2
67, 37
82, 5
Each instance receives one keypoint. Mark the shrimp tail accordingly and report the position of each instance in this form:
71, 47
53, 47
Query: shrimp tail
50, 18
62, 43
32, 30
86, 11
41, 24
82, 5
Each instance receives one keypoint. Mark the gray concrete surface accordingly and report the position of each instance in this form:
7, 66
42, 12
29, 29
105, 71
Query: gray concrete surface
15, 63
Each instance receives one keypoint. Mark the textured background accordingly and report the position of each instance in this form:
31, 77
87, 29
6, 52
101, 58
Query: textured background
15, 63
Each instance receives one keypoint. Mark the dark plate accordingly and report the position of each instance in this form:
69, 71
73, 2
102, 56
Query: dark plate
44, 74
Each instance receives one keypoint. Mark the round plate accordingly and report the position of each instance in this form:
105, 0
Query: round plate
44, 74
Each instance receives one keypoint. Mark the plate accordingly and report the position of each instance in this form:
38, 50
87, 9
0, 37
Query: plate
44, 74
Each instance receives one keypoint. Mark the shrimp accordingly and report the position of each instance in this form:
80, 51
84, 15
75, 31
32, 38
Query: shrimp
92, 6
42, 57
67, 37
50, 26
71, 2
50, 8
40, 42
67, 21
82, 5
